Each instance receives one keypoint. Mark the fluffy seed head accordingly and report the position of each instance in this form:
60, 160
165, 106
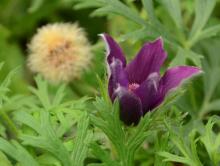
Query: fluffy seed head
60, 52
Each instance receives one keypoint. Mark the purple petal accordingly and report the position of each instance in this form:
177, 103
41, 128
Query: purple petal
148, 91
113, 50
117, 77
173, 79
176, 75
149, 60
130, 106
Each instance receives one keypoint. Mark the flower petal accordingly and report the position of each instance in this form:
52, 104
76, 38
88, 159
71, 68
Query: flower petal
175, 76
113, 50
117, 77
149, 60
130, 106
148, 91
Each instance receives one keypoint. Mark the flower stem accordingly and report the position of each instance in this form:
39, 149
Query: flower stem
192, 97
127, 157
203, 111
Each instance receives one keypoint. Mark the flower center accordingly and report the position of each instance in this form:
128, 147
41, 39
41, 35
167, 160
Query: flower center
133, 86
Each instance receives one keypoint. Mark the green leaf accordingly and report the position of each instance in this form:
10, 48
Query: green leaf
179, 143
17, 152
203, 10
148, 5
211, 80
155, 28
103, 89
59, 96
5, 83
17, 102
46, 138
209, 32
174, 158
174, 10
214, 105
183, 55
28, 120
179, 59
2, 130
48, 159
194, 57
211, 142
119, 8
211, 66
110, 123
140, 133
65, 123
186, 146
111, 6
35, 5
161, 144
193, 146
42, 92
83, 4
83, 139
8, 50
103, 155
4, 160
138, 34
108, 7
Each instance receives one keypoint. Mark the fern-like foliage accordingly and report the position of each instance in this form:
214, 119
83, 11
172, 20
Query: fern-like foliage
177, 34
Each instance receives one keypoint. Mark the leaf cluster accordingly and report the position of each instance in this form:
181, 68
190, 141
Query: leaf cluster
177, 33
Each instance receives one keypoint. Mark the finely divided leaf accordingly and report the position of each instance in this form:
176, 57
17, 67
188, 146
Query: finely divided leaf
203, 9
211, 142
103, 155
174, 10
149, 7
17, 152
46, 138
209, 32
82, 141
183, 55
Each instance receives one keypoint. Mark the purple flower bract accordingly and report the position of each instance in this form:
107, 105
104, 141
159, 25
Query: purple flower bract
138, 84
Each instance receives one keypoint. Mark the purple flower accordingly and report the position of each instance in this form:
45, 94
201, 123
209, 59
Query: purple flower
138, 84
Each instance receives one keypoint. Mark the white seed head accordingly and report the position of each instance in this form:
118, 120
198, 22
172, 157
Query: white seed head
60, 52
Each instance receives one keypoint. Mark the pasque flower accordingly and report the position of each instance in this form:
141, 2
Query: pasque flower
138, 84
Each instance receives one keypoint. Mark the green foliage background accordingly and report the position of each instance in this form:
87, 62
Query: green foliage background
76, 124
